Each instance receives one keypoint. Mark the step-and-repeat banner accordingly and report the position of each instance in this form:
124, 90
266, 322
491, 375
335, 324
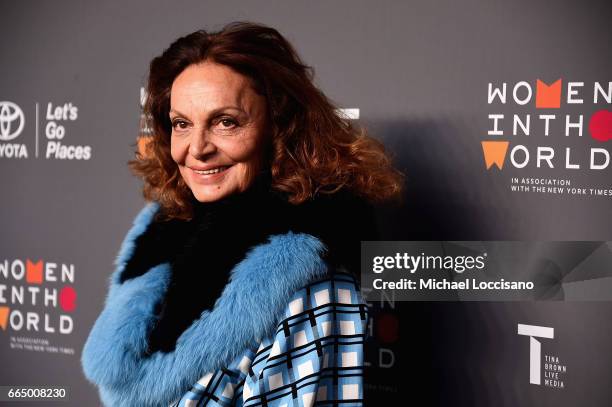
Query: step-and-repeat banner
493, 284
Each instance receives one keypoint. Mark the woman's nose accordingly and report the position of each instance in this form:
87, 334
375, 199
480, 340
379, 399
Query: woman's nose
200, 145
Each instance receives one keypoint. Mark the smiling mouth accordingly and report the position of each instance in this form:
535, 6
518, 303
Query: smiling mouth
212, 171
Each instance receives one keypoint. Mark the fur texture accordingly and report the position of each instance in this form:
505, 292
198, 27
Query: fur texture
247, 311
219, 236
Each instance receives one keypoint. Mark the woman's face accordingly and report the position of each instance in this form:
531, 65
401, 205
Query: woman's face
218, 130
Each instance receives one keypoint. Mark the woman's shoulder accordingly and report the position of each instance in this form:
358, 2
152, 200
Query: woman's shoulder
140, 223
337, 288
148, 242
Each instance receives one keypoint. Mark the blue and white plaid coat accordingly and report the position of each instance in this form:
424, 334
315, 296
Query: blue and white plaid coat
286, 331
315, 355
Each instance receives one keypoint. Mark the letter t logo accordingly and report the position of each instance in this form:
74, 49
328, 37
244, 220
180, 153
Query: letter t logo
535, 348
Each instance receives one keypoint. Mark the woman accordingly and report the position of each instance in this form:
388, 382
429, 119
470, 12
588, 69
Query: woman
237, 283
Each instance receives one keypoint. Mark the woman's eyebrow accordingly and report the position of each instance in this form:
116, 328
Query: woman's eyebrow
214, 111
176, 112
219, 110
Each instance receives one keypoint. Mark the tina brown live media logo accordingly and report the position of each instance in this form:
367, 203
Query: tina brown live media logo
554, 371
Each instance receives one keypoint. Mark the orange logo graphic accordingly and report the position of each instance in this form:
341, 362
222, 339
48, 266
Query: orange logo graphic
4, 311
548, 96
34, 272
495, 153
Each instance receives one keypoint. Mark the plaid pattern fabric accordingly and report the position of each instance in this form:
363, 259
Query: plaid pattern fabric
314, 359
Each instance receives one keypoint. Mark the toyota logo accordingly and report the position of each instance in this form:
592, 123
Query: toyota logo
11, 121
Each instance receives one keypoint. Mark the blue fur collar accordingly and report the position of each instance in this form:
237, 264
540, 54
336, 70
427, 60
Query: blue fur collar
248, 310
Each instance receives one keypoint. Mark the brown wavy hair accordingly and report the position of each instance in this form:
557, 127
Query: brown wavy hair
313, 148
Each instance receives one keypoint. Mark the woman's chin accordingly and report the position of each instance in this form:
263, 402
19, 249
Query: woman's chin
210, 194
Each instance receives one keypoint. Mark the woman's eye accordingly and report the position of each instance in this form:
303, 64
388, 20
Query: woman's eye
227, 123
179, 124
